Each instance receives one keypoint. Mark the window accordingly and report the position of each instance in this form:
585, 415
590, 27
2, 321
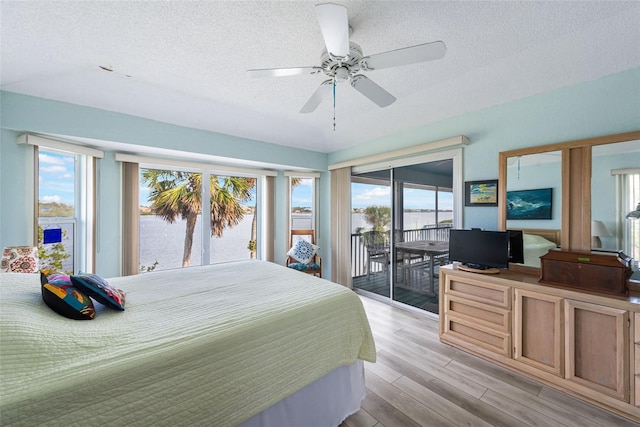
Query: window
65, 210
234, 219
302, 200
170, 219
444, 213
225, 222
302, 212
172, 232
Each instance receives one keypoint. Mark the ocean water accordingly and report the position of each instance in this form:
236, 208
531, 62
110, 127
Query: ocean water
412, 220
164, 242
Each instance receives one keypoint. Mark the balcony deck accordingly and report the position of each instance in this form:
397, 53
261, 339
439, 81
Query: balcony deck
378, 284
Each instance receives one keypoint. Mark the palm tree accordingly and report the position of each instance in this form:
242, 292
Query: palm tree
378, 216
176, 194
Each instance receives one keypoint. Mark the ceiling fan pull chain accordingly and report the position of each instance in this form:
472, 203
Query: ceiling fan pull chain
334, 105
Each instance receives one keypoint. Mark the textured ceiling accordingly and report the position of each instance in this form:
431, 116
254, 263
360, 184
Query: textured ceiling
184, 62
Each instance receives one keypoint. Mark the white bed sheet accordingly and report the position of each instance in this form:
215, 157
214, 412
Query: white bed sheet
324, 403
168, 358
534, 247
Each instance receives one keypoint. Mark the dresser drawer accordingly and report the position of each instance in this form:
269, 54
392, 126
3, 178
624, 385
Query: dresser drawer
487, 315
636, 370
475, 290
466, 333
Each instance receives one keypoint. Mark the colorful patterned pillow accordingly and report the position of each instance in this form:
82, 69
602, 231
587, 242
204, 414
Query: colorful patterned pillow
303, 251
60, 295
98, 288
20, 259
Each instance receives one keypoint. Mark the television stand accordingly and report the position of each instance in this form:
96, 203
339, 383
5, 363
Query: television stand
472, 268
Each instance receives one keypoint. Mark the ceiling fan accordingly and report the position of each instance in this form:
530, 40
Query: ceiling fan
343, 60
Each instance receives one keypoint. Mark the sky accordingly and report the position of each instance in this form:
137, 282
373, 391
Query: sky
363, 195
144, 196
56, 177
302, 194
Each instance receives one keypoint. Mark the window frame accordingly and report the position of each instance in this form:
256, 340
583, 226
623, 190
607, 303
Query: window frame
85, 196
314, 197
264, 248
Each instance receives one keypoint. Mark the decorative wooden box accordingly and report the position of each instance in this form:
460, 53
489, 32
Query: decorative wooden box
601, 272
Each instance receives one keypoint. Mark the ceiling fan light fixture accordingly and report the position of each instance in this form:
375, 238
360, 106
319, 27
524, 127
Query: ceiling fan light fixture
343, 60
342, 74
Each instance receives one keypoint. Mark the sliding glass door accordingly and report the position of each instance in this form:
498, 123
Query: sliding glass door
370, 231
423, 202
401, 217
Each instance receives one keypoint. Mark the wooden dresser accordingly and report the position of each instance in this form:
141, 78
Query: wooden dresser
584, 343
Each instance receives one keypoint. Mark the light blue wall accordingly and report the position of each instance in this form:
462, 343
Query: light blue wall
604, 106
16, 191
26, 113
601, 107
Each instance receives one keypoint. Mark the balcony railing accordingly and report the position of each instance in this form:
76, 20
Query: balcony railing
359, 251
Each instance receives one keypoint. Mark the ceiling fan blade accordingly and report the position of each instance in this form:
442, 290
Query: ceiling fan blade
372, 91
318, 96
283, 72
334, 24
408, 55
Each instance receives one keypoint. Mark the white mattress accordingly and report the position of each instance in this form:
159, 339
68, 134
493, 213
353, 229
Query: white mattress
209, 345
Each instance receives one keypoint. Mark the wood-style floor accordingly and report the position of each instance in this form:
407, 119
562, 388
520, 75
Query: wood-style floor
419, 381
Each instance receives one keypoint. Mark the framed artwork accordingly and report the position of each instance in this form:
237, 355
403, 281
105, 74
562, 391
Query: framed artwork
529, 204
481, 193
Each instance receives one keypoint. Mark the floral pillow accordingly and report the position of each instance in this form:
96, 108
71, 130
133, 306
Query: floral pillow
60, 295
100, 290
20, 259
303, 251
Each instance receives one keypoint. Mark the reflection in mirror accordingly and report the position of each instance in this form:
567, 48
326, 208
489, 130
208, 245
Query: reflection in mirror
615, 191
534, 201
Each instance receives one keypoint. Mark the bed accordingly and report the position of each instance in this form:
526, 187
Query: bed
537, 242
244, 343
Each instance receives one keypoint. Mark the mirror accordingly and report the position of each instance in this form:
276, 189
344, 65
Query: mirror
534, 200
615, 191
566, 168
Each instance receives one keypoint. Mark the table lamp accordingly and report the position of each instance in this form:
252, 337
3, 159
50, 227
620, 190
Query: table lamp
598, 230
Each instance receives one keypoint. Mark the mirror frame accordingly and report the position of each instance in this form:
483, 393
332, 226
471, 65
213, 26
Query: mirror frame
575, 230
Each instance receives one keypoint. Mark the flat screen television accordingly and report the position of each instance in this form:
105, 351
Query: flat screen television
479, 250
516, 246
